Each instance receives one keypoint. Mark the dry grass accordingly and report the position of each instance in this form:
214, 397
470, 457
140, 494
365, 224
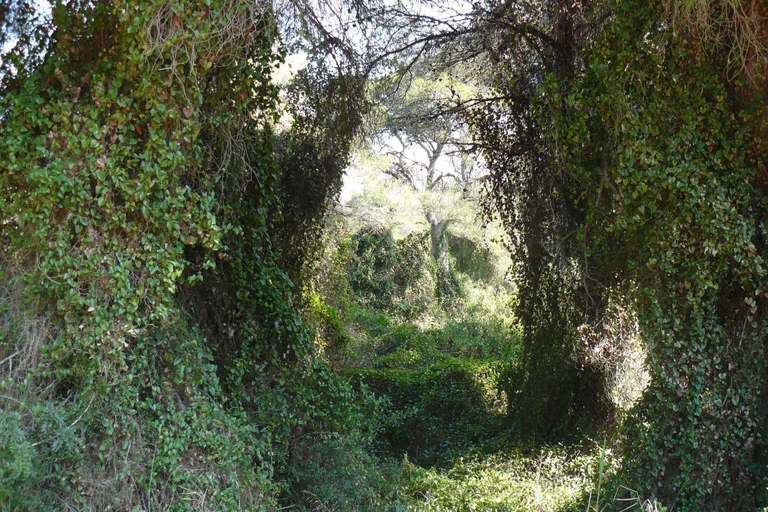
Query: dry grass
23, 330
615, 346
742, 25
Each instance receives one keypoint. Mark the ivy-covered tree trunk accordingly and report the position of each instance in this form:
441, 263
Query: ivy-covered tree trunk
659, 146
553, 394
139, 199
438, 242
634, 164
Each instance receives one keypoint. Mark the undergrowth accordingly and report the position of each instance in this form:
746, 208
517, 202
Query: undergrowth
552, 478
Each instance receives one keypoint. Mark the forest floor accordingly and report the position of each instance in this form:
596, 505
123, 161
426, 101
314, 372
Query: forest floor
448, 429
438, 356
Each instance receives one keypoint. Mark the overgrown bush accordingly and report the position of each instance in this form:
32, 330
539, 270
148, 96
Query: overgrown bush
472, 258
445, 407
666, 157
152, 353
20, 463
396, 276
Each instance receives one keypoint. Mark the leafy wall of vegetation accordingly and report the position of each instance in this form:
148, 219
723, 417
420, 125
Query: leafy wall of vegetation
650, 155
396, 276
153, 354
158, 226
661, 153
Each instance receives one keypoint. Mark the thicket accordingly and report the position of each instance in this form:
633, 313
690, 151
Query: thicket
679, 172
161, 206
152, 351
554, 395
648, 148
435, 360
396, 276
446, 440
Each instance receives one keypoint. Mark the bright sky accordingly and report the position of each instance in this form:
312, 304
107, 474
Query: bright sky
42, 6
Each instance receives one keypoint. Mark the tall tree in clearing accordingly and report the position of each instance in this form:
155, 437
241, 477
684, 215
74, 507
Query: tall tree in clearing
418, 130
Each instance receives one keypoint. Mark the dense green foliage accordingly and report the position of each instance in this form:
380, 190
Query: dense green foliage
394, 276
650, 160
660, 153
312, 157
446, 440
183, 324
555, 395
154, 355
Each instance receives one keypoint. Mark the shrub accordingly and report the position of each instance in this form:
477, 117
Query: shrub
396, 276
444, 407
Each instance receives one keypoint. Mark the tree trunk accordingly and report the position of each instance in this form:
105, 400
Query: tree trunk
439, 244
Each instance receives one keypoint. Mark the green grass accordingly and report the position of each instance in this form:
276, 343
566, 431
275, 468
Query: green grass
550, 479
448, 420
449, 423
447, 442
